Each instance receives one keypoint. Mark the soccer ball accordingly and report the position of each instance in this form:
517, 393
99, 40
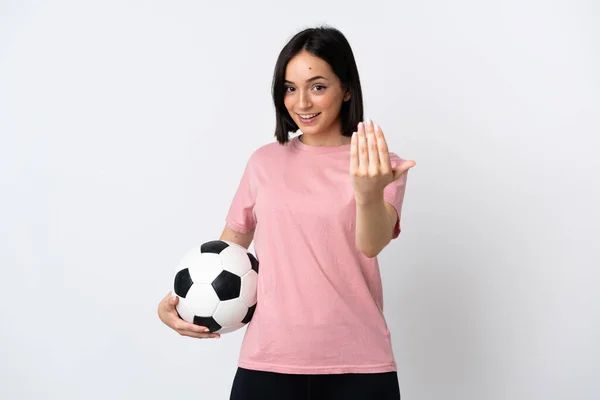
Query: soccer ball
216, 285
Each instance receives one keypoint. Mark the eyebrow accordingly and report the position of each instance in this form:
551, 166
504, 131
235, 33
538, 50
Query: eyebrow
314, 78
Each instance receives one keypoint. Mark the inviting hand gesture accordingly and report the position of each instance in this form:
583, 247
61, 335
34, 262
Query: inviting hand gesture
370, 167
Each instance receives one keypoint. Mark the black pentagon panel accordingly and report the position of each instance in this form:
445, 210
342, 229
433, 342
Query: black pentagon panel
214, 246
253, 261
183, 283
249, 314
208, 322
227, 285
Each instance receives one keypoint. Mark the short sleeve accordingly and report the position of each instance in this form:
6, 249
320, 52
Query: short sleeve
394, 194
241, 216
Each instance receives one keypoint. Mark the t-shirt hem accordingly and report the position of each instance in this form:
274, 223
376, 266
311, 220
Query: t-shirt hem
335, 369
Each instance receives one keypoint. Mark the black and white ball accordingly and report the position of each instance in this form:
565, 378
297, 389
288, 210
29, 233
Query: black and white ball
216, 285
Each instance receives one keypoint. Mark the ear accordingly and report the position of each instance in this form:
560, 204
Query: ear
347, 96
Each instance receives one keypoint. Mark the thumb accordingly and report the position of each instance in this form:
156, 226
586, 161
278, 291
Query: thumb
403, 168
173, 300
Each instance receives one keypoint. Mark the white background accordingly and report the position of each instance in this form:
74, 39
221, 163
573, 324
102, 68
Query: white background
125, 127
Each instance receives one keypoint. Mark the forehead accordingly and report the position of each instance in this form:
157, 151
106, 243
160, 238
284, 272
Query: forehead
304, 65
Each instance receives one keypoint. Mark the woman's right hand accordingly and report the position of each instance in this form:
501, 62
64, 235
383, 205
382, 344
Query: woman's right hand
168, 315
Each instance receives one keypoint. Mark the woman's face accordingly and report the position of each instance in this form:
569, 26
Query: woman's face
312, 88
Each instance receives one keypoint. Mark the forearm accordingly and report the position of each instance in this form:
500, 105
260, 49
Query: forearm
372, 223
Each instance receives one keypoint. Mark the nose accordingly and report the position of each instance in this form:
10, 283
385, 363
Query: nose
304, 102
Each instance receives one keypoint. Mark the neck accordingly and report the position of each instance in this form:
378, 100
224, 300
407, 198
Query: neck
324, 142
332, 137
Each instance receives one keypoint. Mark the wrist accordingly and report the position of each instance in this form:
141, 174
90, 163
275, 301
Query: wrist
365, 199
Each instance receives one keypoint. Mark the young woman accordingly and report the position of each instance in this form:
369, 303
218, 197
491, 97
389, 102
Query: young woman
320, 207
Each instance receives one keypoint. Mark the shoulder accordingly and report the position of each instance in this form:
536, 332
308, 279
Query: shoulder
269, 148
268, 152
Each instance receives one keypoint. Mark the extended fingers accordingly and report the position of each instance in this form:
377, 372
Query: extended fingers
354, 152
372, 148
201, 335
383, 152
197, 335
363, 150
187, 329
369, 153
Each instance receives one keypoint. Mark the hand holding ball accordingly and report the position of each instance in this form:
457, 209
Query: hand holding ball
216, 285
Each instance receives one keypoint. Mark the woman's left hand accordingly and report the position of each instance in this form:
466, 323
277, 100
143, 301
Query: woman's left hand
370, 167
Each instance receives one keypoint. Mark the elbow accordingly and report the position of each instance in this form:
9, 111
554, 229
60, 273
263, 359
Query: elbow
372, 252
369, 253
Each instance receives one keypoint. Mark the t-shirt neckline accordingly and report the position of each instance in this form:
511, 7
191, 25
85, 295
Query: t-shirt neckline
319, 149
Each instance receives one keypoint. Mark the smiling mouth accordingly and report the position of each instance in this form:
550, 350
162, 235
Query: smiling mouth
311, 118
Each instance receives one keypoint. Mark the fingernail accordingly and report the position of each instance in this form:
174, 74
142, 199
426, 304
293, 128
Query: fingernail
206, 330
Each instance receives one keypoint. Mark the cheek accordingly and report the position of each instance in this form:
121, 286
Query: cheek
288, 102
326, 102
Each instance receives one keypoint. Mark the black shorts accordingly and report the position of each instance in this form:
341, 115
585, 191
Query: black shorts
262, 385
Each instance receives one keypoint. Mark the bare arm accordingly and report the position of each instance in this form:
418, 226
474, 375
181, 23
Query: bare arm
375, 223
243, 239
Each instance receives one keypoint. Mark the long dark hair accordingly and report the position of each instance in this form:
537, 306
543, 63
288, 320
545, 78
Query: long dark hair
330, 45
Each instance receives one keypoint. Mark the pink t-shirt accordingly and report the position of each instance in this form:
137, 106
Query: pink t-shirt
319, 302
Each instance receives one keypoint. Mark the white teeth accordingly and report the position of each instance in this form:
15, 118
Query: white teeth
308, 116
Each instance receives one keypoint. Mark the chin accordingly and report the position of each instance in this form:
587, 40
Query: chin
310, 128
310, 132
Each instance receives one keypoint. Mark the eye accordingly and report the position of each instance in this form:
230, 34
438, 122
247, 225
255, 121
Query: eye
320, 86
287, 89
